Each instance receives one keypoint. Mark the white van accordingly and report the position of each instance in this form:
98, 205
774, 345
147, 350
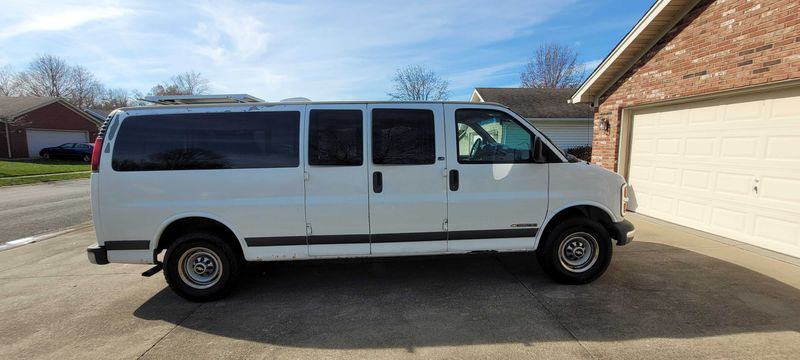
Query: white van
217, 185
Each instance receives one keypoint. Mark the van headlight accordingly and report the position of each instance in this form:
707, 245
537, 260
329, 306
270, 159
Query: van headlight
623, 197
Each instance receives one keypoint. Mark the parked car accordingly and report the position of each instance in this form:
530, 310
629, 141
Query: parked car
216, 186
70, 151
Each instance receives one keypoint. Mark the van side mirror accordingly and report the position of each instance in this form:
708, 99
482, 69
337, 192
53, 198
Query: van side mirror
538, 151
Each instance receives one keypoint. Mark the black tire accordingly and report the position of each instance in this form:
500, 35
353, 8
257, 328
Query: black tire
87, 158
46, 155
563, 264
201, 249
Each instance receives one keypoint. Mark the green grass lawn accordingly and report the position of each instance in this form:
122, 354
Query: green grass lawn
8, 181
10, 168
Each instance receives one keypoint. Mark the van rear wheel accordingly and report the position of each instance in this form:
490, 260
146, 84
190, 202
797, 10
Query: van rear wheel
577, 251
201, 267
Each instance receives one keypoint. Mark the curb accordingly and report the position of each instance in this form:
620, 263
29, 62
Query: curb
45, 175
37, 238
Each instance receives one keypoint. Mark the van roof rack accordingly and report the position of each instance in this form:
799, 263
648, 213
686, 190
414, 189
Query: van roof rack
202, 99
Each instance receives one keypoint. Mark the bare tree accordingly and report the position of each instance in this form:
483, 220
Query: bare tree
188, 83
47, 75
191, 83
553, 66
87, 90
8, 81
416, 82
114, 99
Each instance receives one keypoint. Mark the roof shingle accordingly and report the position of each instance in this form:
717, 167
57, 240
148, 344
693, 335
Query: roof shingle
534, 103
12, 106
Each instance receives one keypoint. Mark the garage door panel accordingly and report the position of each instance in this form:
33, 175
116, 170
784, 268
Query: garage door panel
783, 148
772, 229
739, 147
743, 110
700, 147
704, 173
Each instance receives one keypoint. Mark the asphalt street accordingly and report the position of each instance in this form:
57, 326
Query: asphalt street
28, 210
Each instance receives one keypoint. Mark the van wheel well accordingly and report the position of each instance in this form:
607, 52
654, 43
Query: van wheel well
580, 211
195, 224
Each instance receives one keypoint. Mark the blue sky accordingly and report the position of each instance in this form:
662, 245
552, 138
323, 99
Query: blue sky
323, 50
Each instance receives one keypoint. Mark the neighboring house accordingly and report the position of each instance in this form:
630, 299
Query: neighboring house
98, 114
30, 123
566, 124
699, 108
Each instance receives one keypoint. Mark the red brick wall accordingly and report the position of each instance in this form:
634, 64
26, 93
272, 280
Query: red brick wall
719, 45
54, 116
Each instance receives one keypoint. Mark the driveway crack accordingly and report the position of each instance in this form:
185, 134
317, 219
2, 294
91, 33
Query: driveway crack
547, 309
179, 323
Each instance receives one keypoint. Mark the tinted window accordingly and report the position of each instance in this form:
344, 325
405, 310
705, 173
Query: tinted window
208, 141
402, 136
489, 136
335, 137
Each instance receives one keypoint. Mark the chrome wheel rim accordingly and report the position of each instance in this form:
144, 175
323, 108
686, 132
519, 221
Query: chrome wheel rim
200, 268
578, 252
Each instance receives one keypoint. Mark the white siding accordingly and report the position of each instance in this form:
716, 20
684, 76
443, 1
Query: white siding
566, 133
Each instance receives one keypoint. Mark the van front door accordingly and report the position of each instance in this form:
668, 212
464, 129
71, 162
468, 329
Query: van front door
408, 189
337, 210
497, 195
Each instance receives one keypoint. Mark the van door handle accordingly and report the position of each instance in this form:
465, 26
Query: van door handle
377, 182
453, 180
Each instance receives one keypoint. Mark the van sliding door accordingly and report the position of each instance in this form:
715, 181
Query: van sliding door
407, 193
337, 211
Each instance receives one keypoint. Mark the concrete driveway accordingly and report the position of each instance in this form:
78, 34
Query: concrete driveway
28, 210
673, 293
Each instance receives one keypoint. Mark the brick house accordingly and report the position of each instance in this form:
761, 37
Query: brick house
30, 123
699, 108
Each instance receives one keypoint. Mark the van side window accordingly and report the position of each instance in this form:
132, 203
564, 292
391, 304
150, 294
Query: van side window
335, 137
491, 137
403, 137
229, 140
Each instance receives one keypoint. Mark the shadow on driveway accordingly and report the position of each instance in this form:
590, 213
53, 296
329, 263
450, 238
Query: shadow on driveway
660, 291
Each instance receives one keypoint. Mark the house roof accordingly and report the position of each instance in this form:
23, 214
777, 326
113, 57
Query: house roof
14, 106
98, 114
534, 103
660, 18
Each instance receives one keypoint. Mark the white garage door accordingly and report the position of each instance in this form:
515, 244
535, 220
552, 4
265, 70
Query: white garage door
727, 166
40, 139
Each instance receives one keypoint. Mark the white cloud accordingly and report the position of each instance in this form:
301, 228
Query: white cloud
592, 64
61, 19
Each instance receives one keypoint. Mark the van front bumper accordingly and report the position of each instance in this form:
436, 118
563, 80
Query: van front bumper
623, 232
97, 254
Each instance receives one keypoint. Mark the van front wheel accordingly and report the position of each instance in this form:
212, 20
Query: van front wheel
576, 251
201, 267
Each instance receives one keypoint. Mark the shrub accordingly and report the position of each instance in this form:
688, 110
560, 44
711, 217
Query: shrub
581, 152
